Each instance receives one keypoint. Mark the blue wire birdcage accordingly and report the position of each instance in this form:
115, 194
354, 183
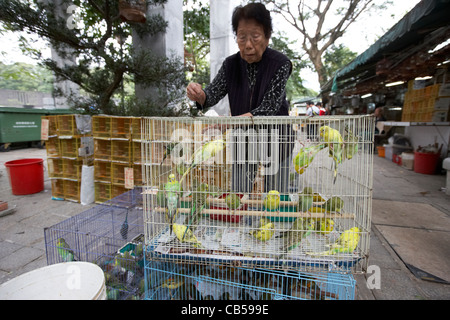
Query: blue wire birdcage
175, 281
110, 235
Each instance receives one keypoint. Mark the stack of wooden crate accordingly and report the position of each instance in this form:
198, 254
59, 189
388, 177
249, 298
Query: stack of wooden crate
117, 155
419, 104
64, 161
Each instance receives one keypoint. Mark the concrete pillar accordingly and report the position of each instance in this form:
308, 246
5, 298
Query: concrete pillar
222, 41
64, 10
165, 44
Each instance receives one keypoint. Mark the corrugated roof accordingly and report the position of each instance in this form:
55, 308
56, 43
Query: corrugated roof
425, 18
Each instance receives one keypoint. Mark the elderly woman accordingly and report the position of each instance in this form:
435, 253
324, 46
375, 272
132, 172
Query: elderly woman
255, 81
255, 77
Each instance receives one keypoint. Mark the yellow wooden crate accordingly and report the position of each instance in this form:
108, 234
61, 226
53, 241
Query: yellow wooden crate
121, 127
102, 171
102, 149
101, 126
102, 192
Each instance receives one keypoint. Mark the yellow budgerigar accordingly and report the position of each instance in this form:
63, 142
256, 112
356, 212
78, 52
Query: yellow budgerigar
346, 243
184, 234
206, 152
272, 201
335, 145
326, 225
265, 230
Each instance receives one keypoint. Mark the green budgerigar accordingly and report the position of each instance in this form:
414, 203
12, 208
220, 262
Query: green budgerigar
350, 144
272, 201
64, 250
199, 197
233, 201
335, 145
300, 228
305, 156
204, 153
334, 204
265, 230
346, 243
305, 200
168, 150
172, 190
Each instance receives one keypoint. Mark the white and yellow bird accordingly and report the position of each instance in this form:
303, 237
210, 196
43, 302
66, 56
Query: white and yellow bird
272, 201
204, 153
346, 243
184, 234
265, 230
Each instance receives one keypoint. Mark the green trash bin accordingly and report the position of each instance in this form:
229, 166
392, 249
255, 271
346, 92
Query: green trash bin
22, 125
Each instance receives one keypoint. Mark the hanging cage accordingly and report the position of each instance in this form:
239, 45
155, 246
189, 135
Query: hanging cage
133, 10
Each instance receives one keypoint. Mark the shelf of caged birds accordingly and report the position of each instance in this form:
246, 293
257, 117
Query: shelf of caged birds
269, 191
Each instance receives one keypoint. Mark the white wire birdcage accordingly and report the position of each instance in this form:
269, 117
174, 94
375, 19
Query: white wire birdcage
261, 192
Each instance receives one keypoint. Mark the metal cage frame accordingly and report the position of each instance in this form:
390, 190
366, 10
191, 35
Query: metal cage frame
170, 145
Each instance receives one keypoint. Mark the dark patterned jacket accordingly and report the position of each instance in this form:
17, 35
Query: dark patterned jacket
259, 88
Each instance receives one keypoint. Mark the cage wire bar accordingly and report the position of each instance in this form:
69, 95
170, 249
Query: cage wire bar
260, 192
110, 235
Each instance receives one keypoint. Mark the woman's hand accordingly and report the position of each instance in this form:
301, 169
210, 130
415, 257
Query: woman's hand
248, 114
195, 93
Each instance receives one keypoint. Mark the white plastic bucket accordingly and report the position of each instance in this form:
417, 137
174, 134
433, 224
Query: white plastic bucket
62, 281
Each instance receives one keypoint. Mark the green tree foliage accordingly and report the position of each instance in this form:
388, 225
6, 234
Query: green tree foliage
196, 40
294, 86
320, 23
336, 58
25, 77
100, 64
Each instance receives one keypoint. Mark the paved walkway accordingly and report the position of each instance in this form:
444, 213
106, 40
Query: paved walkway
410, 239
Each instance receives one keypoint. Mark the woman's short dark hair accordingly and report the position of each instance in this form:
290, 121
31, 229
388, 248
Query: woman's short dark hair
256, 11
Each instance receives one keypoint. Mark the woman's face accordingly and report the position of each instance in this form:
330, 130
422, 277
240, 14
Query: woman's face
251, 40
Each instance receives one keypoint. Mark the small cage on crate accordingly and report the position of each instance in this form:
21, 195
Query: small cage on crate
175, 281
259, 192
110, 235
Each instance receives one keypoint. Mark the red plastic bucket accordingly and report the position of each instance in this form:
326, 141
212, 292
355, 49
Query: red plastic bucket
26, 175
425, 162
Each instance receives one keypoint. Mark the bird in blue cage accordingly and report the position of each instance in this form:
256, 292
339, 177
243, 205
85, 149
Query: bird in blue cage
64, 250
172, 189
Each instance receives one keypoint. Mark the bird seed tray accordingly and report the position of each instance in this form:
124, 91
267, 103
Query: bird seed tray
234, 245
